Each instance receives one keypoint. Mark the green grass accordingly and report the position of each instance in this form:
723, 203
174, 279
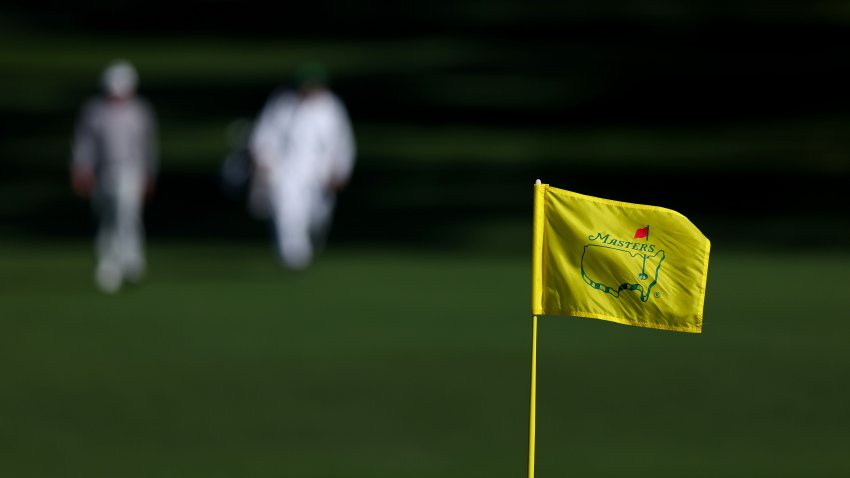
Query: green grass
409, 364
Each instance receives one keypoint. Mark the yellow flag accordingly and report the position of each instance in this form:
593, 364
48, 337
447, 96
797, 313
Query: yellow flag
627, 263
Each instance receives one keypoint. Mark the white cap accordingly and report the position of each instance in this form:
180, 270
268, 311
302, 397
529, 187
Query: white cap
119, 79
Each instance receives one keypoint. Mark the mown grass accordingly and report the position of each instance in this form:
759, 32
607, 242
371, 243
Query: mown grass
415, 364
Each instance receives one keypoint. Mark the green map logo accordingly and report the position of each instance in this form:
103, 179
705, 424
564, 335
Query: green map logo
601, 262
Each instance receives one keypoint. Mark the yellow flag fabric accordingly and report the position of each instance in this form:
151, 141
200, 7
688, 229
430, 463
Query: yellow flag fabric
627, 263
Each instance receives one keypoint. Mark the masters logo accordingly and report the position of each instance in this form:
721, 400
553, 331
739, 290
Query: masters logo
611, 265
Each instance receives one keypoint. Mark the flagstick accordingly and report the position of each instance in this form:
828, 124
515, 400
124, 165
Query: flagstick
536, 307
533, 407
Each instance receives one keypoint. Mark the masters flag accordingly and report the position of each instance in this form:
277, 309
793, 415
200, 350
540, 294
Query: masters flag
627, 263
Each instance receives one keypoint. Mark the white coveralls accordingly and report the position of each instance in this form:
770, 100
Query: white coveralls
304, 147
116, 140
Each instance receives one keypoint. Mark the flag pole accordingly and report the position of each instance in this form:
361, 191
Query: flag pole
533, 406
536, 308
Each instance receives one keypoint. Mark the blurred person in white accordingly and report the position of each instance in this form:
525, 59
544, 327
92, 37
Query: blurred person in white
114, 163
303, 148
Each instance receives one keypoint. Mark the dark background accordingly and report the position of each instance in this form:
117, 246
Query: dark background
731, 112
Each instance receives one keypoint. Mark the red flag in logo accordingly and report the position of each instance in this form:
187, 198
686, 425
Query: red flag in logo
642, 233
